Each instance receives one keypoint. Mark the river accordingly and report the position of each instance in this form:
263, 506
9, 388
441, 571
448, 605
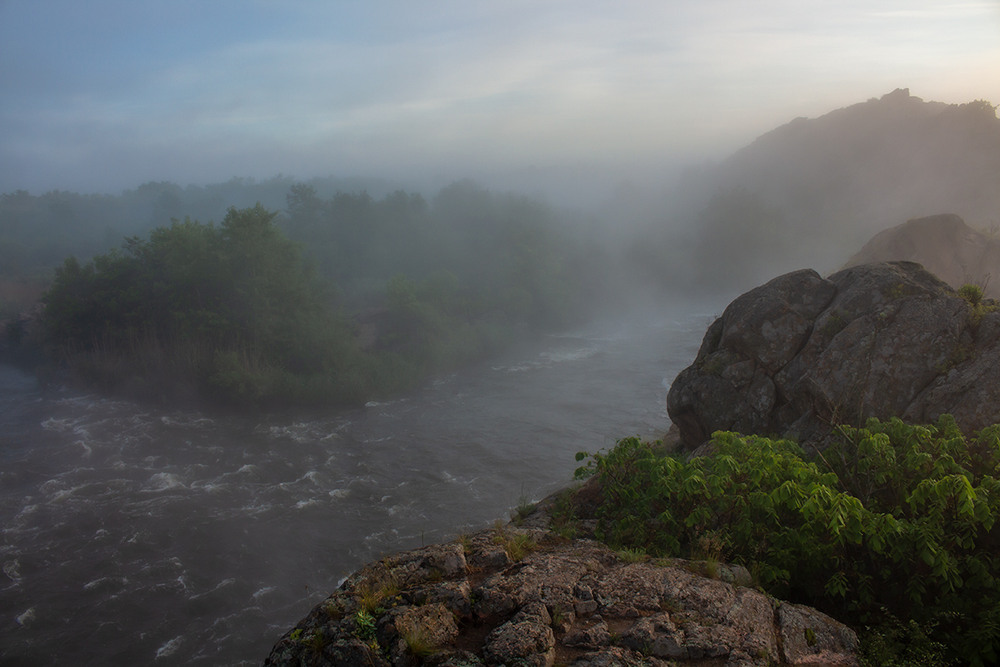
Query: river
134, 534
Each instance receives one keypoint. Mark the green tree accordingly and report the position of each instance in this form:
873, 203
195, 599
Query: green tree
234, 309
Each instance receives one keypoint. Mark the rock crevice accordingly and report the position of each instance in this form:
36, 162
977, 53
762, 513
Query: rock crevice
564, 602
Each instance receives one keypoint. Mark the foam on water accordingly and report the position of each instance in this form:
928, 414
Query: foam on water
261, 592
562, 356
12, 569
164, 481
247, 471
58, 425
169, 648
213, 486
186, 421
105, 583
26, 617
225, 530
256, 508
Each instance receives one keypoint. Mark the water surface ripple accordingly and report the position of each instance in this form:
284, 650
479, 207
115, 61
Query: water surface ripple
138, 535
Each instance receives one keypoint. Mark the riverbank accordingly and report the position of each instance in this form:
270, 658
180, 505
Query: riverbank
224, 529
541, 591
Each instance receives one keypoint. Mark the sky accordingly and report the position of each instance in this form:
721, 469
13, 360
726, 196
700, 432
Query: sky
103, 95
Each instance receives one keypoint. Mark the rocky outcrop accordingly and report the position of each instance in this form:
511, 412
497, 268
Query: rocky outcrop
801, 353
945, 246
524, 596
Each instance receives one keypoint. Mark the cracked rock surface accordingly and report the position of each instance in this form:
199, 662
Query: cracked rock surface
548, 601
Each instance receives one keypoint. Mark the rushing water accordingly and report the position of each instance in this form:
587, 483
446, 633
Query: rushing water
138, 535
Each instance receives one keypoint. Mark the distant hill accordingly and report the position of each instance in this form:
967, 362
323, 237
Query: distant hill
813, 190
945, 245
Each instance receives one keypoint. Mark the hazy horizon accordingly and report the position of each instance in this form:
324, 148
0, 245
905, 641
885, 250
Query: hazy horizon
104, 96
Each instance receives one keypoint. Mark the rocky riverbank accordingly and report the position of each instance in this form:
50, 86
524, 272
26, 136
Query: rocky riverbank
790, 357
530, 595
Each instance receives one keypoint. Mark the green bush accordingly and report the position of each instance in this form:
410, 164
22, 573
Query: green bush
893, 521
978, 304
237, 312
233, 310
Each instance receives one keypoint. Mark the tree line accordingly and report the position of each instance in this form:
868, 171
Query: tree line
339, 299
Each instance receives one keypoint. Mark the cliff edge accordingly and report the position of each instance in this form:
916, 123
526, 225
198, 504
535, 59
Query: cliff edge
524, 595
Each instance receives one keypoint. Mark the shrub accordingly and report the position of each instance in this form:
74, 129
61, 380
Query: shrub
234, 310
892, 521
978, 305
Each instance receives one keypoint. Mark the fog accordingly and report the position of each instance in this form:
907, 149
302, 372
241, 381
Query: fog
573, 104
105, 97
807, 193
408, 280
297, 257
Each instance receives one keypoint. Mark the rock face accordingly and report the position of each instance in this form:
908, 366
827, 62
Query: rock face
801, 352
523, 596
945, 246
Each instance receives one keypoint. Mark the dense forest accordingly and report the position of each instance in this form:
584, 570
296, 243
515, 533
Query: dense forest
335, 299
37, 232
396, 285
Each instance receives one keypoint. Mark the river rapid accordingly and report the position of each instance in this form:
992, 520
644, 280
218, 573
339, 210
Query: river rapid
135, 534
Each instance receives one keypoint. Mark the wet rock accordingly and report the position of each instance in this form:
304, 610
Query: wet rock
549, 580
411, 568
490, 559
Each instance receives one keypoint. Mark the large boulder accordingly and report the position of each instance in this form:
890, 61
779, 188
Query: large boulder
801, 353
551, 600
945, 246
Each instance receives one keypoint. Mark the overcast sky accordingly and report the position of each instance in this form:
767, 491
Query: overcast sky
102, 95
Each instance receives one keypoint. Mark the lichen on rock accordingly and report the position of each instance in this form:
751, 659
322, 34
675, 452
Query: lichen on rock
563, 602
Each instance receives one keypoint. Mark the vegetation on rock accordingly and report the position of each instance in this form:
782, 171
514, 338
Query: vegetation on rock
472, 603
893, 524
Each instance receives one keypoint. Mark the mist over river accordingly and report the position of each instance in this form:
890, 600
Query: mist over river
142, 535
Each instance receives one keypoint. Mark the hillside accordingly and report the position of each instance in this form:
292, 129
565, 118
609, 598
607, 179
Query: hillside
945, 245
810, 192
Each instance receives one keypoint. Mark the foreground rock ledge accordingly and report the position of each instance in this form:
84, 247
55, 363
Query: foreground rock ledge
524, 596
